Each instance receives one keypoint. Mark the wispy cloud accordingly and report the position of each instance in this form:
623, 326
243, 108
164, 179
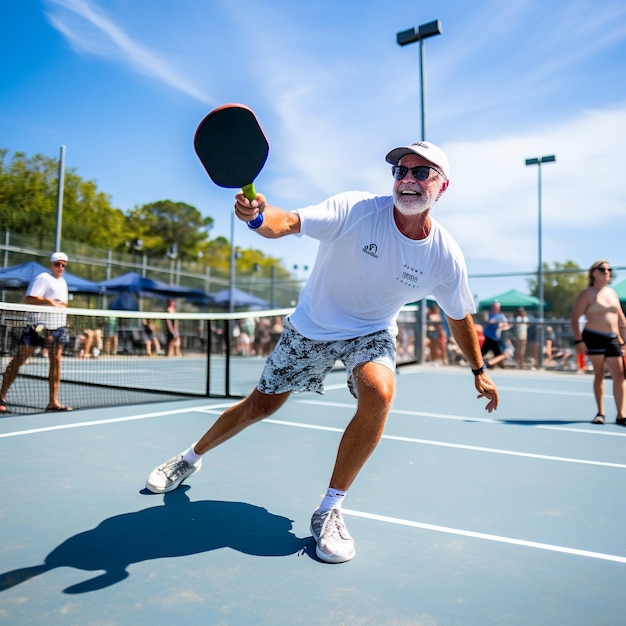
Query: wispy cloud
88, 29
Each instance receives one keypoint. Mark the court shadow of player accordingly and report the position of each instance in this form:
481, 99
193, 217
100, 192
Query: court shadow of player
179, 528
543, 422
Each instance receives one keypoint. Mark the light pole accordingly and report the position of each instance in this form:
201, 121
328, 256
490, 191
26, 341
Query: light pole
57, 240
420, 33
538, 162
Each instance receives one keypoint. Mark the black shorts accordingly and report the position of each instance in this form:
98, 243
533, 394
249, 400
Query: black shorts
493, 345
605, 344
40, 337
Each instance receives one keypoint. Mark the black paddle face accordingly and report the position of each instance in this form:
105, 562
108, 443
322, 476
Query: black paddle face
231, 146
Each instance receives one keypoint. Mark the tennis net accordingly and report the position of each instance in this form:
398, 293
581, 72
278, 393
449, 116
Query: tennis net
113, 358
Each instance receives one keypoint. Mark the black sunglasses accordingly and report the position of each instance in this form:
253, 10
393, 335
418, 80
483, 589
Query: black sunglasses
421, 172
605, 269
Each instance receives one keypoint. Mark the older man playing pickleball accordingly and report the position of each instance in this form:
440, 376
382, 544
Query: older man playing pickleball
376, 254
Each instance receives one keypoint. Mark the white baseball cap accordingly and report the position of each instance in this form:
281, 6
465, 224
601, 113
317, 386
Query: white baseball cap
425, 149
58, 256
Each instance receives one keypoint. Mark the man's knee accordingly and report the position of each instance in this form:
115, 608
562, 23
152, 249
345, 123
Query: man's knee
376, 384
261, 405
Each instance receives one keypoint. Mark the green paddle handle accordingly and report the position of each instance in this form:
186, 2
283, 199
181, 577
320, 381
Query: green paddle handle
250, 193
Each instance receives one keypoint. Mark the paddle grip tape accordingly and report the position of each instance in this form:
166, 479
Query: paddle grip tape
250, 193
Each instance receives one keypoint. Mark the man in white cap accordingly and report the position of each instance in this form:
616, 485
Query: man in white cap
376, 254
44, 330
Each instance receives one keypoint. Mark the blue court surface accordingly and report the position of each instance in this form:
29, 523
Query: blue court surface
459, 517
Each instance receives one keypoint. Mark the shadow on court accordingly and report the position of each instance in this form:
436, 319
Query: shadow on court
178, 528
544, 422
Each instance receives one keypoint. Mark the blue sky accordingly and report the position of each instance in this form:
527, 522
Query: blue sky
124, 83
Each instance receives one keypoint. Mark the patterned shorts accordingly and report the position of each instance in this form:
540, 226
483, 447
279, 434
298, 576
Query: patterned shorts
301, 364
40, 337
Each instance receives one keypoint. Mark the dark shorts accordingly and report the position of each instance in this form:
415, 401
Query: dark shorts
605, 344
493, 345
300, 364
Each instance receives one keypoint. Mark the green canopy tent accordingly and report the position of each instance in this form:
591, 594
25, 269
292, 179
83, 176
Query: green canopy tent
510, 301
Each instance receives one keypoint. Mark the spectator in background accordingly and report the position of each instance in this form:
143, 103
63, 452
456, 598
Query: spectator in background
556, 357
520, 331
110, 336
532, 344
44, 330
496, 323
172, 333
263, 337
153, 345
603, 337
243, 341
90, 343
437, 336
119, 337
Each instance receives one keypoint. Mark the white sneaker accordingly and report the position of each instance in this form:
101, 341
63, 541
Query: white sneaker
334, 543
171, 474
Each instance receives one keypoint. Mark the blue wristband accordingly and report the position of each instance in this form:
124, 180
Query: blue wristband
256, 222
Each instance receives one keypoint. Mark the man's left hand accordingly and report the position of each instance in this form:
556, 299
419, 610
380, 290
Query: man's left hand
487, 389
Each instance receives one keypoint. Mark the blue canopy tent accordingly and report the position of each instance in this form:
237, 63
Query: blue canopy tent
20, 276
241, 299
150, 287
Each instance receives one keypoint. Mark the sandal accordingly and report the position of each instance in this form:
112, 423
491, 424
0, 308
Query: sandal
620, 421
599, 419
59, 408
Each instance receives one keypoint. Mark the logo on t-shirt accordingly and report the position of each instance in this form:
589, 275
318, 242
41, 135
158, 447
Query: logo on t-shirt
410, 276
371, 249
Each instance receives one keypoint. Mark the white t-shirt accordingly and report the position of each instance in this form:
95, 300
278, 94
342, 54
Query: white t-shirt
47, 286
366, 269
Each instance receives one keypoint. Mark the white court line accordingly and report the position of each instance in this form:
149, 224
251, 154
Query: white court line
113, 420
470, 418
488, 537
429, 442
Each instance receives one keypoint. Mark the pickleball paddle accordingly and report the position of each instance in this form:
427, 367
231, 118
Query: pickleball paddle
233, 149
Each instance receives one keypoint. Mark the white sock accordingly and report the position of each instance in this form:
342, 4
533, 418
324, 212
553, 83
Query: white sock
332, 500
190, 456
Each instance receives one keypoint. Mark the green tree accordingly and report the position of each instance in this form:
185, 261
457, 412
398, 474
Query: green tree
167, 227
561, 286
29, 197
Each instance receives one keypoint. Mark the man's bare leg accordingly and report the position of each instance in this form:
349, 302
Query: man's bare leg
10, 374
376, 386
54, 374
254, 408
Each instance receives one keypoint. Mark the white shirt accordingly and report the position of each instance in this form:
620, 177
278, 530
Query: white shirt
47, 286
366, 269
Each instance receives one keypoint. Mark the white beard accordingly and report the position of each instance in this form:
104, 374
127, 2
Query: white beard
412, 204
